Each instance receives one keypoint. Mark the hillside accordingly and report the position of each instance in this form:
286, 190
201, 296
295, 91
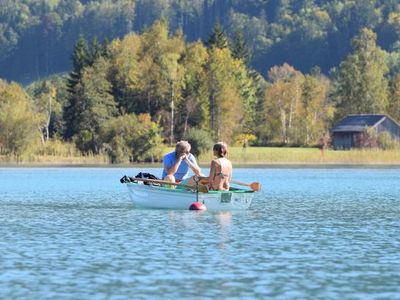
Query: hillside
37, 37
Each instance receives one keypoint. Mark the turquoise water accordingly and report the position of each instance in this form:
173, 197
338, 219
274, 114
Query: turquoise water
72, 233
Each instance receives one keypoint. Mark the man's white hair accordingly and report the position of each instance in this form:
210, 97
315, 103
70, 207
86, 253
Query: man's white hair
182, 146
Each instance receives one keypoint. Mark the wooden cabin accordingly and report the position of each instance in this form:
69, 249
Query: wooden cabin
351, 132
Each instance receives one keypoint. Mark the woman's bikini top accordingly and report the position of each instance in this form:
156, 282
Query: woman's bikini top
222, 175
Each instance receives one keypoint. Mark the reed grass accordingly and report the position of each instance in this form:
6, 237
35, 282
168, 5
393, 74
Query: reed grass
308, 156
54, 160
238, 156
54, 152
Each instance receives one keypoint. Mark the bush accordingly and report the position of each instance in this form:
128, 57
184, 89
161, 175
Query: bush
84, 141
387, 142
200, 140
131, 138
244, 139
55, 147
18, 124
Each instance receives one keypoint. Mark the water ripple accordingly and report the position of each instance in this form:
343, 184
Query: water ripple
310, 234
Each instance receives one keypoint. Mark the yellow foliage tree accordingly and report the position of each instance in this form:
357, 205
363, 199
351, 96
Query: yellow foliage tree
226, 103
17, 122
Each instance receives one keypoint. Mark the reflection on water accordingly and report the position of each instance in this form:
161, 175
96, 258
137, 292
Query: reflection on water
224, 221
311, 233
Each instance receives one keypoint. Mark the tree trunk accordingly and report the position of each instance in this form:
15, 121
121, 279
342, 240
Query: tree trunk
172, 114
48, 118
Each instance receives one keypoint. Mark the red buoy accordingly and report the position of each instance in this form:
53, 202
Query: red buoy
197, 206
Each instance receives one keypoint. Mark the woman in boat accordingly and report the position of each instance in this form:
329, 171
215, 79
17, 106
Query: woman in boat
220, 169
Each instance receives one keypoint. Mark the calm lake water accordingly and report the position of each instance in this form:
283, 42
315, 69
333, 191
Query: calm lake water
72, 233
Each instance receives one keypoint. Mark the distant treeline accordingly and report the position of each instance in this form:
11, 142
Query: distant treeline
128, 97
37, 37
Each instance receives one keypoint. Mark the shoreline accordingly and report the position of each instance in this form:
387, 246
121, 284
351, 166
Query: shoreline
237, 165
252, 157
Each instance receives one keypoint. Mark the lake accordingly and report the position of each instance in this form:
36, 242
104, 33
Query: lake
72, 233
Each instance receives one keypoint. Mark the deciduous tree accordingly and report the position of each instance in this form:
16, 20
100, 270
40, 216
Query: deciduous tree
226, 102
361, 86
282, 101
17, 122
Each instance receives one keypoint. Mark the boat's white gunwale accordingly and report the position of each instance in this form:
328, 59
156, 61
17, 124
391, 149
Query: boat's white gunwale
149, 196
179, 190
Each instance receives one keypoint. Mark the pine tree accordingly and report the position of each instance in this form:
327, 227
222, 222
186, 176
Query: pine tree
95, 51
218, 38
105, 51
239, 48
95, 105
80, 59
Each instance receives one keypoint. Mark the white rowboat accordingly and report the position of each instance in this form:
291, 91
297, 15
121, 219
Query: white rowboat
151, 196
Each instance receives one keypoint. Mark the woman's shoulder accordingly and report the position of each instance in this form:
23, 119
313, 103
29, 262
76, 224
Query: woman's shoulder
215, 161
221, 160
228, 162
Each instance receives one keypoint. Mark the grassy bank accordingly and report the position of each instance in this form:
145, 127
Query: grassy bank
308, 156
240, 156
54, 160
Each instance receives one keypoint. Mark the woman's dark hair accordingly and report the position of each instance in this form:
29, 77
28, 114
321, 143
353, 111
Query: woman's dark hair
221, 149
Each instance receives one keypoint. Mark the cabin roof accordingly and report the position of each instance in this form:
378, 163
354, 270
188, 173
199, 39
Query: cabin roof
358, 123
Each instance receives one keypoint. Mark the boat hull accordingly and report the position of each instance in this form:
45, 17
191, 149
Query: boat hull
149, 196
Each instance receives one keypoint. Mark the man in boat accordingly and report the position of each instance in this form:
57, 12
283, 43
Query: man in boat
176, 164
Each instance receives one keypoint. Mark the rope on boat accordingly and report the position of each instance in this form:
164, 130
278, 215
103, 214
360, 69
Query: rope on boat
197, 179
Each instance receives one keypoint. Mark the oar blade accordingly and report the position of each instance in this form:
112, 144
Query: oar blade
255, 186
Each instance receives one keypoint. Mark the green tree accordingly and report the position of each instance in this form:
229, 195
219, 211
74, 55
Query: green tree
172, 72
125, 71
95, 51
162, 74
283, 102
128, 13
36, 37
360, 85
80, 59
95, 105
200, 141
193, 109
45, 106
247, 87
240, 50
218, 38
17, 122
226, 102
131, 138
394, 99
316, 109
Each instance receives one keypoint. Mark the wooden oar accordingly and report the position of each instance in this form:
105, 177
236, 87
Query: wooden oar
255, 186
202, 188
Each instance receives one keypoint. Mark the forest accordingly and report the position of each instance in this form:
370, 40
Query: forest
125, 77
37, 36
